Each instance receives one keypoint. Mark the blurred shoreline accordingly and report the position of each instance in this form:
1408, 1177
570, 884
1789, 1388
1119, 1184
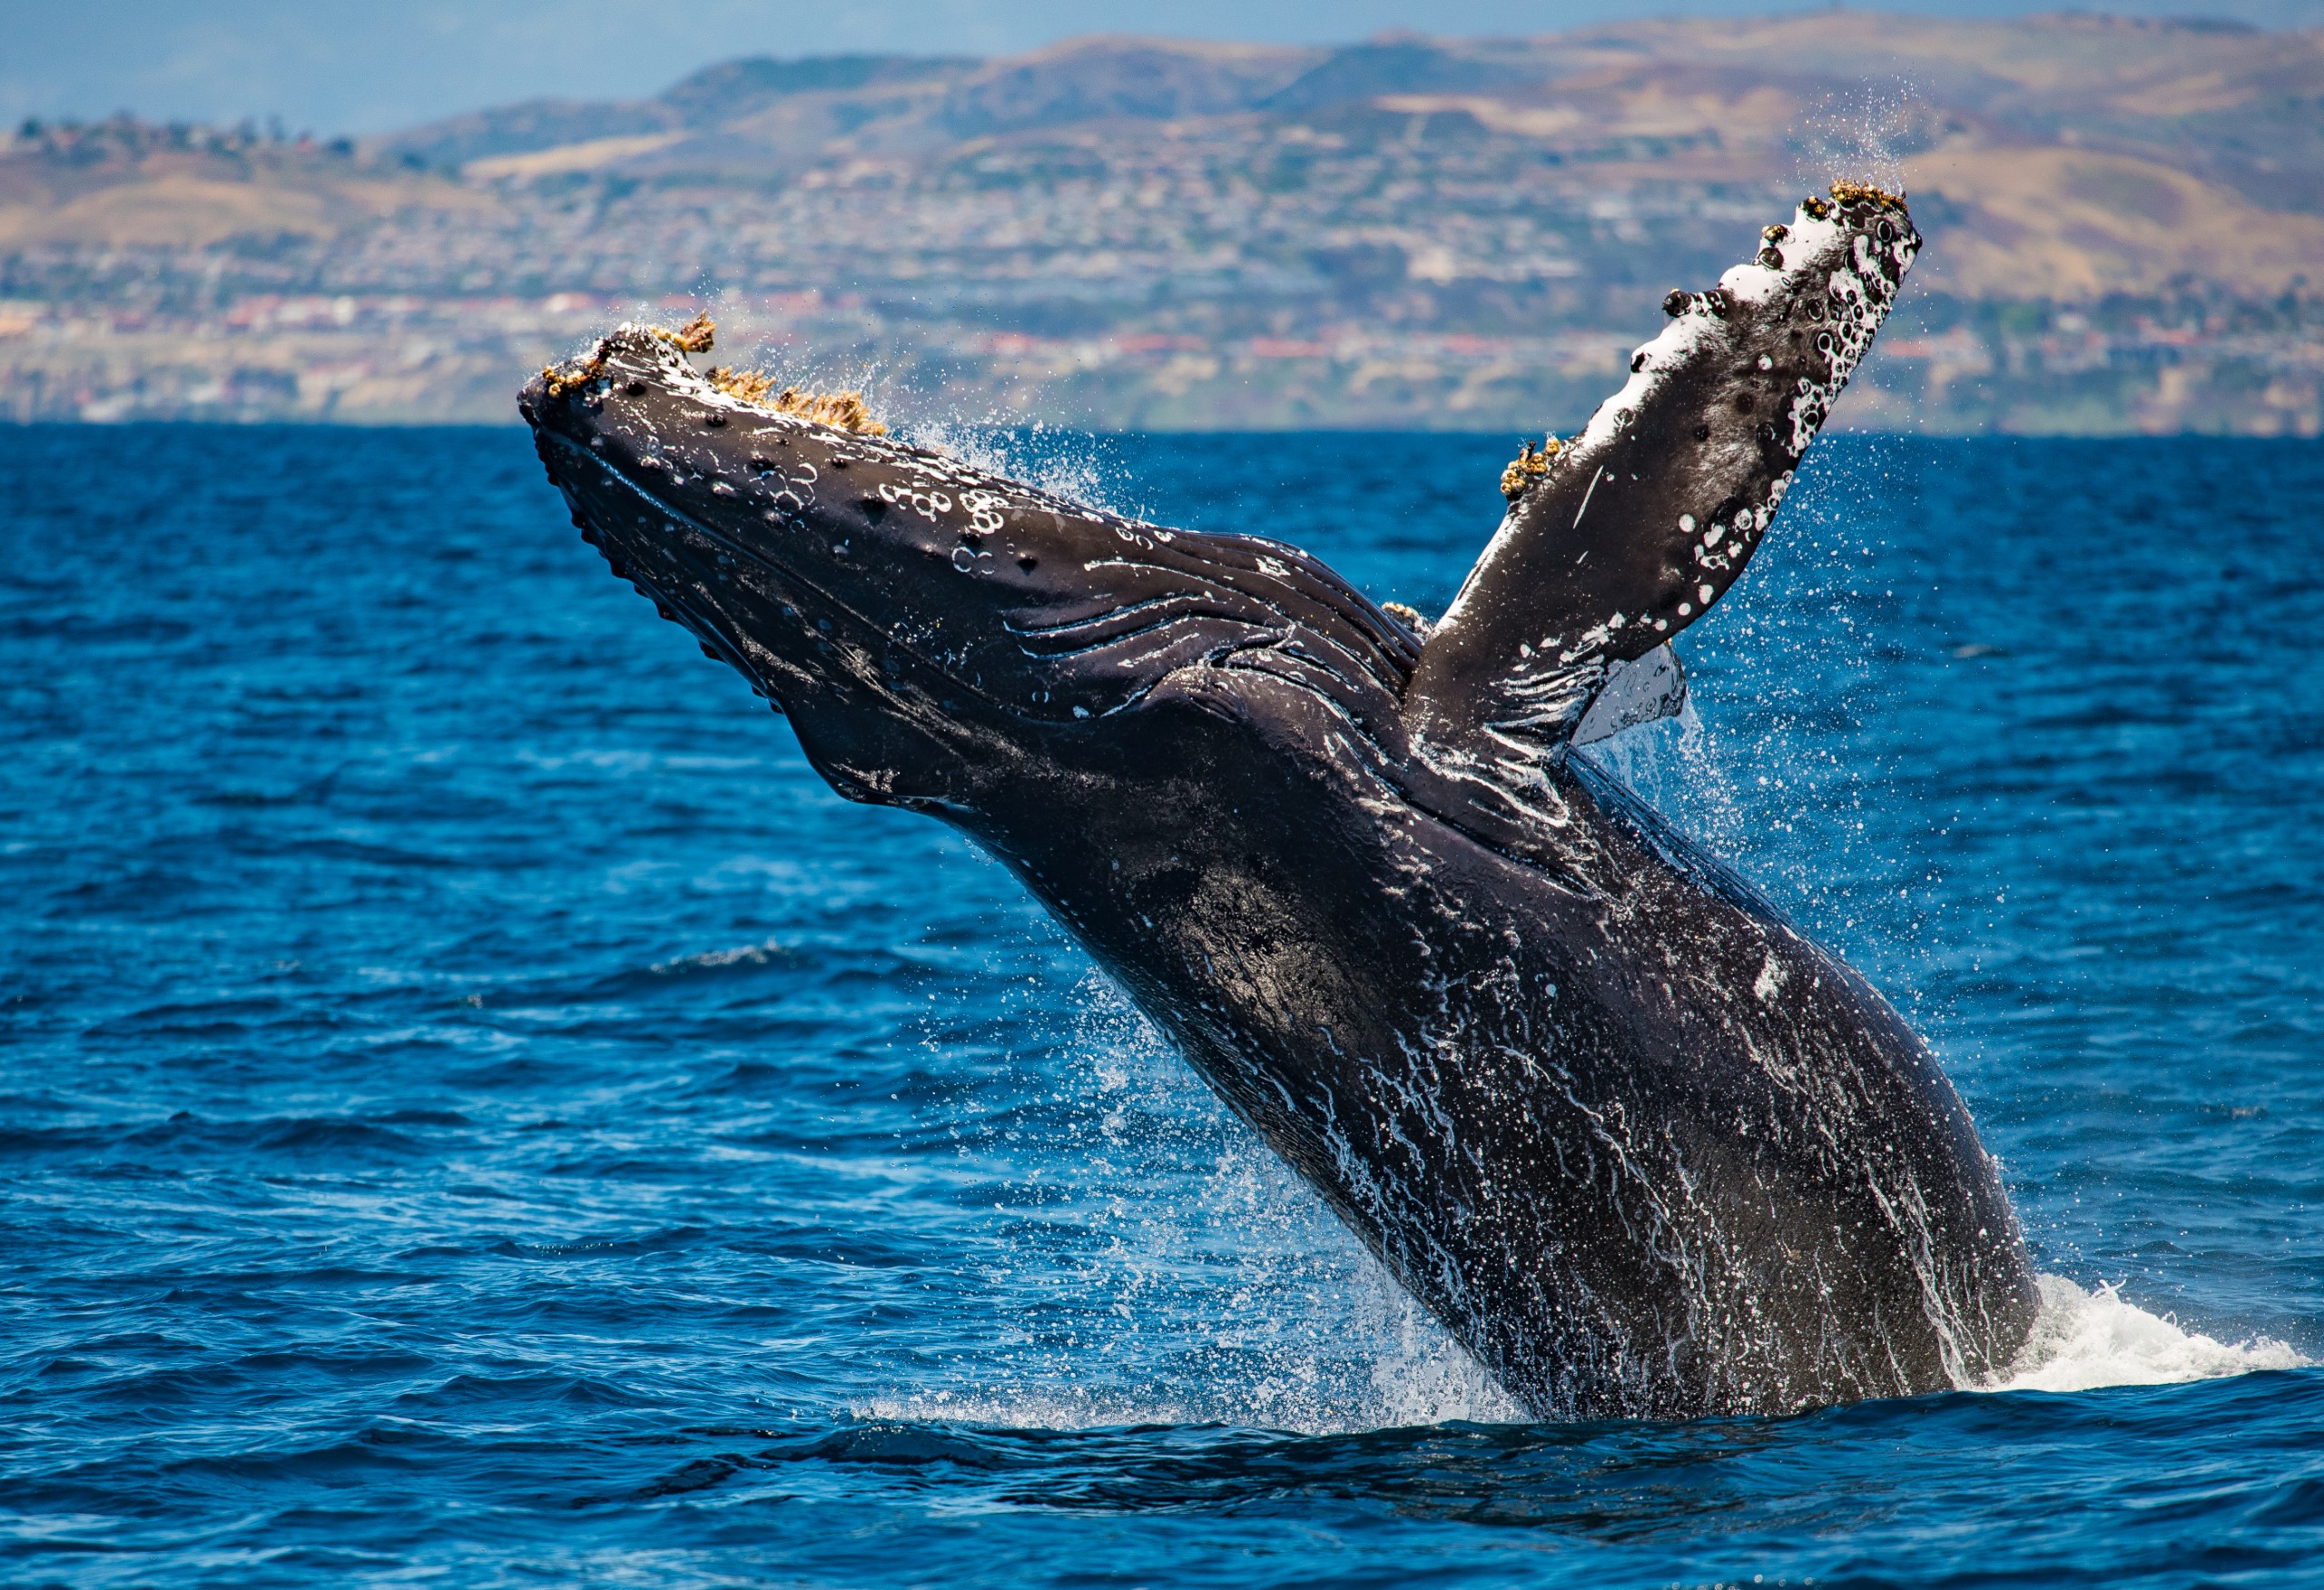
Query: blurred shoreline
2123, 219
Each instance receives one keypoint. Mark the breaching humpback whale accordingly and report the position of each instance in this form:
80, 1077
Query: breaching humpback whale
1644, 1149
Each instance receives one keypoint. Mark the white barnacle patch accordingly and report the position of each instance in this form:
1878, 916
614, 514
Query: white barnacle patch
926, 503
1771, 979
1858, 291
984, 508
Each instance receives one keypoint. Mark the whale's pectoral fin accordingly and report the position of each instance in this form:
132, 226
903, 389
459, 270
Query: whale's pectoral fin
1622, 537
1653, 687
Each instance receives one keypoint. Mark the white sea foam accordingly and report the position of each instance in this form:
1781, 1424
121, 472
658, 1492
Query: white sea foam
765, 953
2084, 1340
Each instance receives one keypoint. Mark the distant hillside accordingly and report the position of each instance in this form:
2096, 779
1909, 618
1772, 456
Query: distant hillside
2237, 107
128, 184
2126, 226
711, 99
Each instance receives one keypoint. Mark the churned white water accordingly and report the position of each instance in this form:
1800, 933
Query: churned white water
2084, 1340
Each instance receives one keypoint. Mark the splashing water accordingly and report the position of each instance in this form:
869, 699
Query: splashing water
1862, 135
1068, 464
2084, 1340
1310, 1333
1261, 1307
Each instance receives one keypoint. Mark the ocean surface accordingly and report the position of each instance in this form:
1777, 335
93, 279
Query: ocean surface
476, 1110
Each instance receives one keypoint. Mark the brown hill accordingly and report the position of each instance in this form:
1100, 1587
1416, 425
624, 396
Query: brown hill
1157, 231
2147, 128
126, 184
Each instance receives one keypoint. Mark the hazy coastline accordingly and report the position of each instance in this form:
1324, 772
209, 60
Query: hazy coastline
1121, 233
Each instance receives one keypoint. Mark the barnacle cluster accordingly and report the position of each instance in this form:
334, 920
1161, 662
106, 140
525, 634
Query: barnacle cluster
694, 337
844, 410
1530, 465
1865, 193
563, 379
748, 385
1408, 617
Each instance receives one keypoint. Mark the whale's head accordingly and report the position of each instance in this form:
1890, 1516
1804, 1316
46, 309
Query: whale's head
931, 628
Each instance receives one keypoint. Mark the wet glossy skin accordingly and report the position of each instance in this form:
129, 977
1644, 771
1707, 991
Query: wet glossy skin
1645, 1150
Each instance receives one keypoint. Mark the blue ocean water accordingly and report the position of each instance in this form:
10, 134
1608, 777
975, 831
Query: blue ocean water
475, 1108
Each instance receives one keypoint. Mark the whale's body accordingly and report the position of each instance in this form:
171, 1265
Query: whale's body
1642, 1146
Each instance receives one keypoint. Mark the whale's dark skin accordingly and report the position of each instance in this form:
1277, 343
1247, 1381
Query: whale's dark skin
1643, 1148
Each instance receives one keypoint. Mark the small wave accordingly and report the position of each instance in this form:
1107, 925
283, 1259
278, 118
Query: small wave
765, 953
2084, 1340
1047, 1409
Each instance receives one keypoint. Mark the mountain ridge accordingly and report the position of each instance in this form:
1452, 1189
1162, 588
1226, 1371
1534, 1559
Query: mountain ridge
1105, 231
